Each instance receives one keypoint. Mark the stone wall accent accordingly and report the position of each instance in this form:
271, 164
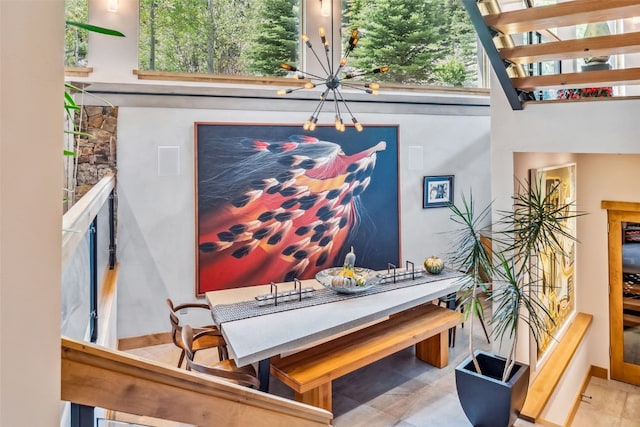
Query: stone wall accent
96, 154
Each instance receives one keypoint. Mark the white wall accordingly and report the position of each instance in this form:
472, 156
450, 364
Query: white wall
156, 235
602, 138
31, 72
156, 240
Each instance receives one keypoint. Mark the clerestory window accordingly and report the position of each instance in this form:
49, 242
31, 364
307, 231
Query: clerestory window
76, 40
237, 37
424, 42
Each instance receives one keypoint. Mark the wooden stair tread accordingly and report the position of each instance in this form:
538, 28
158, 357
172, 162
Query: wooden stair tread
562, 15
568, 80
617, 44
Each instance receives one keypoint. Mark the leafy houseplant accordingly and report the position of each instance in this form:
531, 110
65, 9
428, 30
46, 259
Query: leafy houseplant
536, 223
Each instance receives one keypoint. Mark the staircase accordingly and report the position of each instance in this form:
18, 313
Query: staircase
516, 66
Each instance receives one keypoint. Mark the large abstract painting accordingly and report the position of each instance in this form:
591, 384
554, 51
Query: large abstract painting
276, 203
557, 270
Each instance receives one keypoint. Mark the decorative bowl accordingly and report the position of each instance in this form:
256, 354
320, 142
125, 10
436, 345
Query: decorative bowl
363, 279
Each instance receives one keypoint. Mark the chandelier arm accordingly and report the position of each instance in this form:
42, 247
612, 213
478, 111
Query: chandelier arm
313, 76
352, 86
366, 73
329, 61
345, 103
319, 61
336, 103
318, 109
343, 61
350, 76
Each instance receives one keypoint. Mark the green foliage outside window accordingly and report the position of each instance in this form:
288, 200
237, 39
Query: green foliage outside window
429, 42
275, 38
422, 41
245, 37
75, 39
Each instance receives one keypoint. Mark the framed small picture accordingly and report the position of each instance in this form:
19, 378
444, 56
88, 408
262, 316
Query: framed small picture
437, 191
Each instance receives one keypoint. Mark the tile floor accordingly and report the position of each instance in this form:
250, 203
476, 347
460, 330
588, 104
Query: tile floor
404, 392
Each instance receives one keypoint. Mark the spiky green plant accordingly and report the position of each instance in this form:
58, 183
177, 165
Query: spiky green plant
471, 256
536, 223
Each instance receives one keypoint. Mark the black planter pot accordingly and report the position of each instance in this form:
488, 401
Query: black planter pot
485, 399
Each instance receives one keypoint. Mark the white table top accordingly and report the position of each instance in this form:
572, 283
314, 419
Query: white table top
257, 338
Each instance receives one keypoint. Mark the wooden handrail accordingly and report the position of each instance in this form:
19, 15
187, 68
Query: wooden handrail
75, 222
542, 387
96, 376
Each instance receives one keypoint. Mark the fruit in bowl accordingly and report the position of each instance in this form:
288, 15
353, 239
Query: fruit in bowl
344, 280
347, 279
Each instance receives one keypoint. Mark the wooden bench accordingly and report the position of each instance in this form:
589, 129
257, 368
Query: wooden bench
310, 372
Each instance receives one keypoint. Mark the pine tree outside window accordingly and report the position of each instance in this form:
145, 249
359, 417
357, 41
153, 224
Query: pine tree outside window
424, 42
236, 37
75, 39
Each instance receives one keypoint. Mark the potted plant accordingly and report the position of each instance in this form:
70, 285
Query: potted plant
536, 223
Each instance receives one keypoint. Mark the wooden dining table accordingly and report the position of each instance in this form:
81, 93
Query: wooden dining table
256, 339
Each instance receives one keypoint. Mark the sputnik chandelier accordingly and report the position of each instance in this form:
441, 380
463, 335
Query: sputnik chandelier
336, 77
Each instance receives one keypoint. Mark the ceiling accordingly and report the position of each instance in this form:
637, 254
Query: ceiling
506, 27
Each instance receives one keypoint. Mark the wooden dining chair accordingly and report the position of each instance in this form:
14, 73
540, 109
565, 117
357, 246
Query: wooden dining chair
225, 369
213, 340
